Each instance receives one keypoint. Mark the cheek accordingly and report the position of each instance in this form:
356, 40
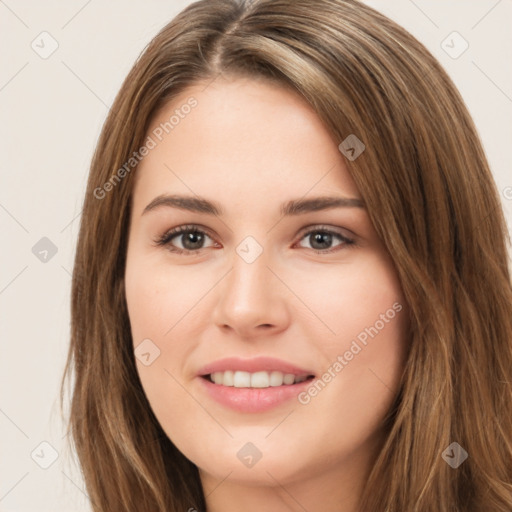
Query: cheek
156, 302
365, 348
157, 298
159, 310
353, 300
146, 306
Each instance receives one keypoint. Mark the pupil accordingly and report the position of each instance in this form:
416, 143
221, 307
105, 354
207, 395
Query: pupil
194, 238
327, 239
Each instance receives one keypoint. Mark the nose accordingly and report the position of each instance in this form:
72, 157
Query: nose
251, 300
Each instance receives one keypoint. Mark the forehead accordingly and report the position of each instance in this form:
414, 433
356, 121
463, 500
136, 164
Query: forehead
241, 140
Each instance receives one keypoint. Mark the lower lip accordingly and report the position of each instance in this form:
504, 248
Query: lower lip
253, 399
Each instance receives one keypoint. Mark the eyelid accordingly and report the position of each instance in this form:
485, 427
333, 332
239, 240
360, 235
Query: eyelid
347, 233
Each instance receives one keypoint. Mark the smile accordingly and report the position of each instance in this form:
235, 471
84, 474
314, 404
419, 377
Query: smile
261, 379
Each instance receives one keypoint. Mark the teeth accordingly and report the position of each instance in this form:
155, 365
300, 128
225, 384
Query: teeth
228, 379
260, 380
288, 378
240, 380
263, 379
276, 379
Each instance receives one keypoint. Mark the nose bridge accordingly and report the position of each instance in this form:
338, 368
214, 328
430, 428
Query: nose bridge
250, 274
250, 295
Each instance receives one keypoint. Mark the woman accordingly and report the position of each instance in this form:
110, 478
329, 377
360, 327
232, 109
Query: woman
291, 285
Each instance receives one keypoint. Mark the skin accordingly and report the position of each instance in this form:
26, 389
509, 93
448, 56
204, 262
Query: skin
250, 146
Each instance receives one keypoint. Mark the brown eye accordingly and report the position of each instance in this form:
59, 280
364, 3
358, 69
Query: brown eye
321, 240
191, 238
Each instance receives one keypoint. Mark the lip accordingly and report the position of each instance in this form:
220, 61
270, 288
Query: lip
252, 400
253, 365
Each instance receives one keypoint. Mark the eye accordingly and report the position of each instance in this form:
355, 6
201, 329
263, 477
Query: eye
191, 236
321, 236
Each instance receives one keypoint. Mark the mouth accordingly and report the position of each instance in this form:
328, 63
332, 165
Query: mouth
258, 380
257, 372
253, 385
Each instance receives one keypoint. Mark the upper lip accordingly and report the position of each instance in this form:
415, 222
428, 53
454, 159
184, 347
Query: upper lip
253, 365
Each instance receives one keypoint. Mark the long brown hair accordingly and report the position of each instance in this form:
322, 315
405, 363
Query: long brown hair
429, 192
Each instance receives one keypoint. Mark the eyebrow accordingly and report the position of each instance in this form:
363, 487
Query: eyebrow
292, 207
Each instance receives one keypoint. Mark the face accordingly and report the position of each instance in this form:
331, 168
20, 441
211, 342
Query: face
293, 308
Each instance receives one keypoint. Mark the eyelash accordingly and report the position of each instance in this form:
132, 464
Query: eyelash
166, 238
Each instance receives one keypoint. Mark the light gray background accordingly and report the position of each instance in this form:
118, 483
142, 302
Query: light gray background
52, 111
